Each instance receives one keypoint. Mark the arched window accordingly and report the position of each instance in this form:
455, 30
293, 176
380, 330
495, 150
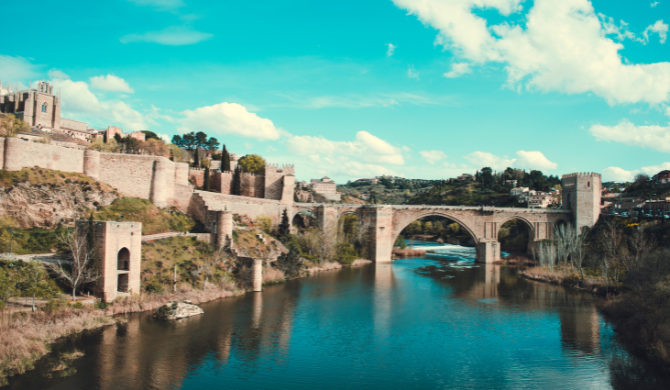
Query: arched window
44, 107
123, 260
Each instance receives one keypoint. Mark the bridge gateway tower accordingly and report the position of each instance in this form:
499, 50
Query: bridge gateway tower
581, 195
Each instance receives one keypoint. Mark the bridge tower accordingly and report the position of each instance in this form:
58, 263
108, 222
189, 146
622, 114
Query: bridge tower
581, 195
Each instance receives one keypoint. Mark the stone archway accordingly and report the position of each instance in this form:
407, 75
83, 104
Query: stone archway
123, 270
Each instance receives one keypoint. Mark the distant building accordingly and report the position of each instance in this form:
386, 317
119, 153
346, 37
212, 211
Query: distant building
371, 181
661, 177
111, 131
541, 199
518, 191
464, 177
512, 182
325, 187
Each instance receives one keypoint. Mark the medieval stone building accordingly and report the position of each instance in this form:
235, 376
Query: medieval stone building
38, 107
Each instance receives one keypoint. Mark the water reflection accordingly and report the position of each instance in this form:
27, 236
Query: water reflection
418, 323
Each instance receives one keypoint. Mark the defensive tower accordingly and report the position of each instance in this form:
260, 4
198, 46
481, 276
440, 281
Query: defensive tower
581, 195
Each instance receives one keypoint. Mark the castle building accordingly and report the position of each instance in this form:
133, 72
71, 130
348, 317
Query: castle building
38, 107
581, 195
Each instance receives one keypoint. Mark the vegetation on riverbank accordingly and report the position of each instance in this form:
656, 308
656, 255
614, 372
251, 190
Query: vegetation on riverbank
626, 264
154, 220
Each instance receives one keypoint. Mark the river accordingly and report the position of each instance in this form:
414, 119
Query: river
419, 323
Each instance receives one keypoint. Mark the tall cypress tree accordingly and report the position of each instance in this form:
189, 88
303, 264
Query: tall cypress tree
225, 160
284, 227
237, 181
205, 185
196, 163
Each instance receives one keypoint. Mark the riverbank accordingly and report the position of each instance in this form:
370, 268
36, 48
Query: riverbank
568, 278
26, 337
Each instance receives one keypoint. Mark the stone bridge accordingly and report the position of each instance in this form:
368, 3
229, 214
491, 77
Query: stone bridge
384, 223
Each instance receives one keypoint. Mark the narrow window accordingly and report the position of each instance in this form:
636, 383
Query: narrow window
588, 184
44, 107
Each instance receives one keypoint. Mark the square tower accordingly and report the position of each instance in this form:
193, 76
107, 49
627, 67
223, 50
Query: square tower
581, 195
118, 256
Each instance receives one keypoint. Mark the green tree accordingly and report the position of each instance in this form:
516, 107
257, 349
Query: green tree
205, 185
150, 135
290, 262
284, 228
236, 183
486, 176
225, 160
252, 163
35, 281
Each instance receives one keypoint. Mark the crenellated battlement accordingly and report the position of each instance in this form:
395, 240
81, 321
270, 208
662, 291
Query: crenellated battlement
581, 174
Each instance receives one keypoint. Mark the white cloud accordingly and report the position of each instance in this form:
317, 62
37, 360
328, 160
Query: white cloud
78, 102
622, 175
484, 159
411, 73
111, 83
659, 28
13, 69
654, 4
57, 74
228, 118
525, 160
433, 156
168, 4
390, 49
652, 136
375, 100
367, 148
172, 36
533, 160
562, 46
667, 111
458, 70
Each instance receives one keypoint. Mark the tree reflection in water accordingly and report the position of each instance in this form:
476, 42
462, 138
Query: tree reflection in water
404, 325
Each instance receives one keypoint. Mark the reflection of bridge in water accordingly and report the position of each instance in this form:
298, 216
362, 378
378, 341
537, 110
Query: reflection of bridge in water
384, 223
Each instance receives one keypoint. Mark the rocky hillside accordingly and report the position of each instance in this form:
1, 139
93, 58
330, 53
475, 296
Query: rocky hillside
44, 198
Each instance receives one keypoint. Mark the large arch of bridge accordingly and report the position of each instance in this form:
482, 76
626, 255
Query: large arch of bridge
529, 225
463, 225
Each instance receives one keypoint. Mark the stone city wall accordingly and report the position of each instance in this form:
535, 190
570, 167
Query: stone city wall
147, 177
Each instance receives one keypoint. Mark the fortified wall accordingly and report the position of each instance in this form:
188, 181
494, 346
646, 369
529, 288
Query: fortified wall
276, 183
160, 180
147, 177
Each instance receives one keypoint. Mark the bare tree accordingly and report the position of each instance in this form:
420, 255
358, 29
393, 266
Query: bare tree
82, 269
639, 248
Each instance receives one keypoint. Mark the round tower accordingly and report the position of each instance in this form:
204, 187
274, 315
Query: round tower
13, 156
159, 182
92, 164
224, 228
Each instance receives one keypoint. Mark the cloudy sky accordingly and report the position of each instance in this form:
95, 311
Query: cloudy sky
350, 89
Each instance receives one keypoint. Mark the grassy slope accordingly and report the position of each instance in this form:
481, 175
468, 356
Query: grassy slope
194, 259
154, 220
40, 176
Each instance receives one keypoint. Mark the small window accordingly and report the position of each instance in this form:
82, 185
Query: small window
588, 184
44, 107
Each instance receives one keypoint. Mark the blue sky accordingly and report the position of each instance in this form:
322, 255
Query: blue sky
349, 89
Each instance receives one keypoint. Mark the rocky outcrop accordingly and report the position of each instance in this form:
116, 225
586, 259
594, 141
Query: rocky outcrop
47, 205
177, 310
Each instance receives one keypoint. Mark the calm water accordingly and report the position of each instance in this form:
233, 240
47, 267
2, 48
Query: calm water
442, 322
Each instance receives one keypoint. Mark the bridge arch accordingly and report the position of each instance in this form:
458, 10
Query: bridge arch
402, 225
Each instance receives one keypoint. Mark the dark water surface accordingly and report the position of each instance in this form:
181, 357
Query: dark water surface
442, 322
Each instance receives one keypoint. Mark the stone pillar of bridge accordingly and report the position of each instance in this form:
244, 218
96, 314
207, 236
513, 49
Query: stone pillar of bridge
327, 216
380, 222
488, 251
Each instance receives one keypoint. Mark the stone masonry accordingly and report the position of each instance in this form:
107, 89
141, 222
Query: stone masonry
118, 256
